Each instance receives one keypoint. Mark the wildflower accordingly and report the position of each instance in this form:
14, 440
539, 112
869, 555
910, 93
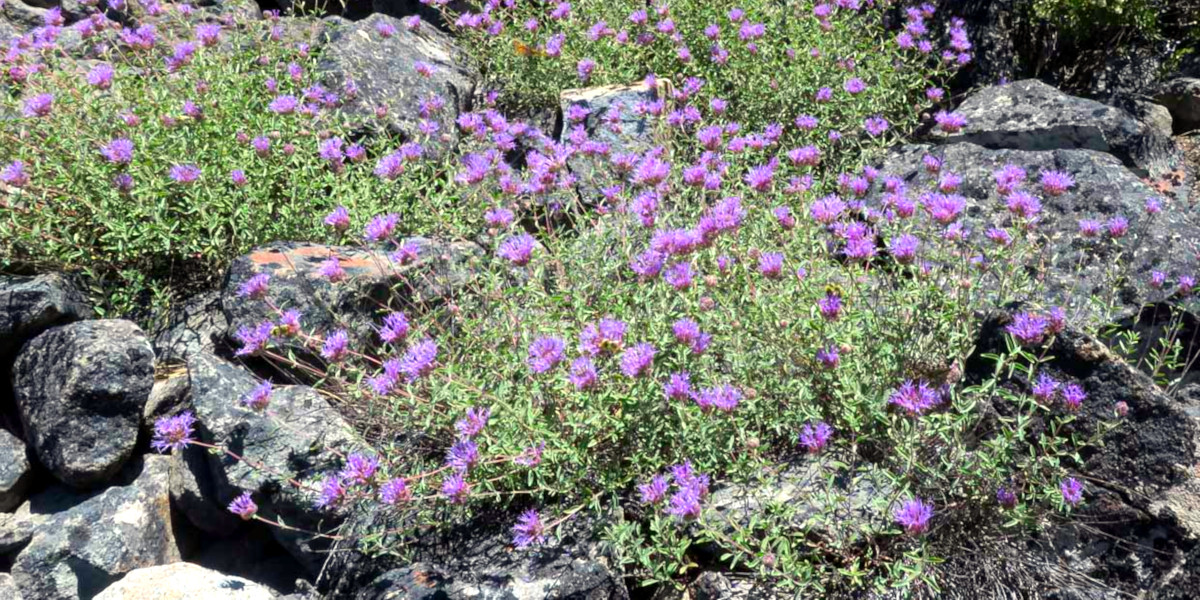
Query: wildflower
1072, 490
544, 354
238, 177
1073, 396
915, 397
828, 357
647, 264
1089, 228
950, 122
724, 397
420, 360
261, 145
678, 386
253, 339
517, 249
395, 490
14, 174
499, 217
1186, 284
605, 337
854, 85
531, 456
1056, 320
100, 76
283, 105
332, 270
259, 398
455, 488
208, 34
770, 264
123, 182
1006, 497
1121, 408
335, 347
814, 437
685, 503
118, 151
474, 422
1118, 226
875, 126
184, 173
463, 455
830, 306
653, 491
1028, 328
381, 227
173, 433
360, 469
584, 69
999, 236
332, 492
243, 506
687, 332
904, 248
582, 373
1044, 388
944, 208
679, 275
529, 529
935, 93
636, 361
1153, 206
1056, 183
913, 515
827, 209
39, 105
254, 288
1008, 178
1157, 279
932, 163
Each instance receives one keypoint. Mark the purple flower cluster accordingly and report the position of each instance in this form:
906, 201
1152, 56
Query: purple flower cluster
691, 489
915, 397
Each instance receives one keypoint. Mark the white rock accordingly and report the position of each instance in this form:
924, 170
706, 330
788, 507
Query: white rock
184, 581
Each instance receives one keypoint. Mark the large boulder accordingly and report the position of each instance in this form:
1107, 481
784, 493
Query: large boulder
82, 543
196, 325
1031, 115
301, 438
1072, 268
31, 305
384, 70
80, 390
183, 581
612, 119
15, 471
1181, 96
373, 283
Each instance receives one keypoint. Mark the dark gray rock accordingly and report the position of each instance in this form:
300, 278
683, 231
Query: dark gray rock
82, 543
194, 494
15, 471
1031, 115
373, 283
197, 325
1072, 269
16, 529
31, 305
556, 579
80, 390
168, 397
383, 70
613, 120
1181, 96
299, 440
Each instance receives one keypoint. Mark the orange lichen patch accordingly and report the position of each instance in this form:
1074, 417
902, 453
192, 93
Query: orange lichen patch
278, 261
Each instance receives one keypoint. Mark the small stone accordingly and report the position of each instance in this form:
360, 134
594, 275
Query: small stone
15, 471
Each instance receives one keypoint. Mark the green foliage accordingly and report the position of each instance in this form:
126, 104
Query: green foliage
1082, 17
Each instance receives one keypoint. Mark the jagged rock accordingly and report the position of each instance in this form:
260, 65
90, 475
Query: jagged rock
80, 390
373, 281
82, 543
560, 578
1074, 268
31, 305
383, 69
168, 397
16, 529
1181, 96
198, 325
1031, 115
15, 472
857, 501
183, 581
613, 120
299, 439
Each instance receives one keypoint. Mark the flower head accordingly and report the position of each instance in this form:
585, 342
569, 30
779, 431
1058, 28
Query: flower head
243, 506
544, 354
255, 288
455, 488
529, 529
118, 151
1056, 183
636, 361
1073, 396
1006, 497
39, 105
1072, 490
653, 491
830, 306
360, 469
474, 422
517, 249
583, 373
913, 515
260, 397
1028, 328
332, 492
335, 346
184, 173
395, 490
173, 433
915, 397
814, 437
420, 360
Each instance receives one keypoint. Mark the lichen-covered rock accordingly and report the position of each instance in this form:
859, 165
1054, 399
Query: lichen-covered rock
15, 472
1031, 115
80, 390
82, 543
555, 579
373, 281
613, 120
299, 439
168, 397
31, 305
1181, 96
197, 325
183, 581
383, 69
8, 588
1072, 269
16, 529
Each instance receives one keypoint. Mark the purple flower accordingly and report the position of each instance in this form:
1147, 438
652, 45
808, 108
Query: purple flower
830, 306
605, 337
915, 397
1006, 497
1056, 183
1044, 388
360, 469
678, 386
173, 433
335, 346
1089, 228
39, 105
584, 69
814, 437
827, 209
1118, 226
770, 264
14, 174
517, 249
944, 208
1072, 490
243, 506
529, 530
1186, 284
679, 275
531, 456
1028, 328
332, 270
332, 492
184, 173
999, 236
1157, 279
499, 217
255, 288
648, 264
1073, 396
636, 361
420, 360
875, 126
259, 398
913, 515
950, 122
100, 76
474, 422
582, 373
283, 105
784, 216
463, 455
653, 491
828, 357
544, 354
118, 151
253, 339
238, 177
455, 488
854, 85
1023, 204
1008, 178
685, 503
395, 490
723, 397
1153, 206
904, 248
